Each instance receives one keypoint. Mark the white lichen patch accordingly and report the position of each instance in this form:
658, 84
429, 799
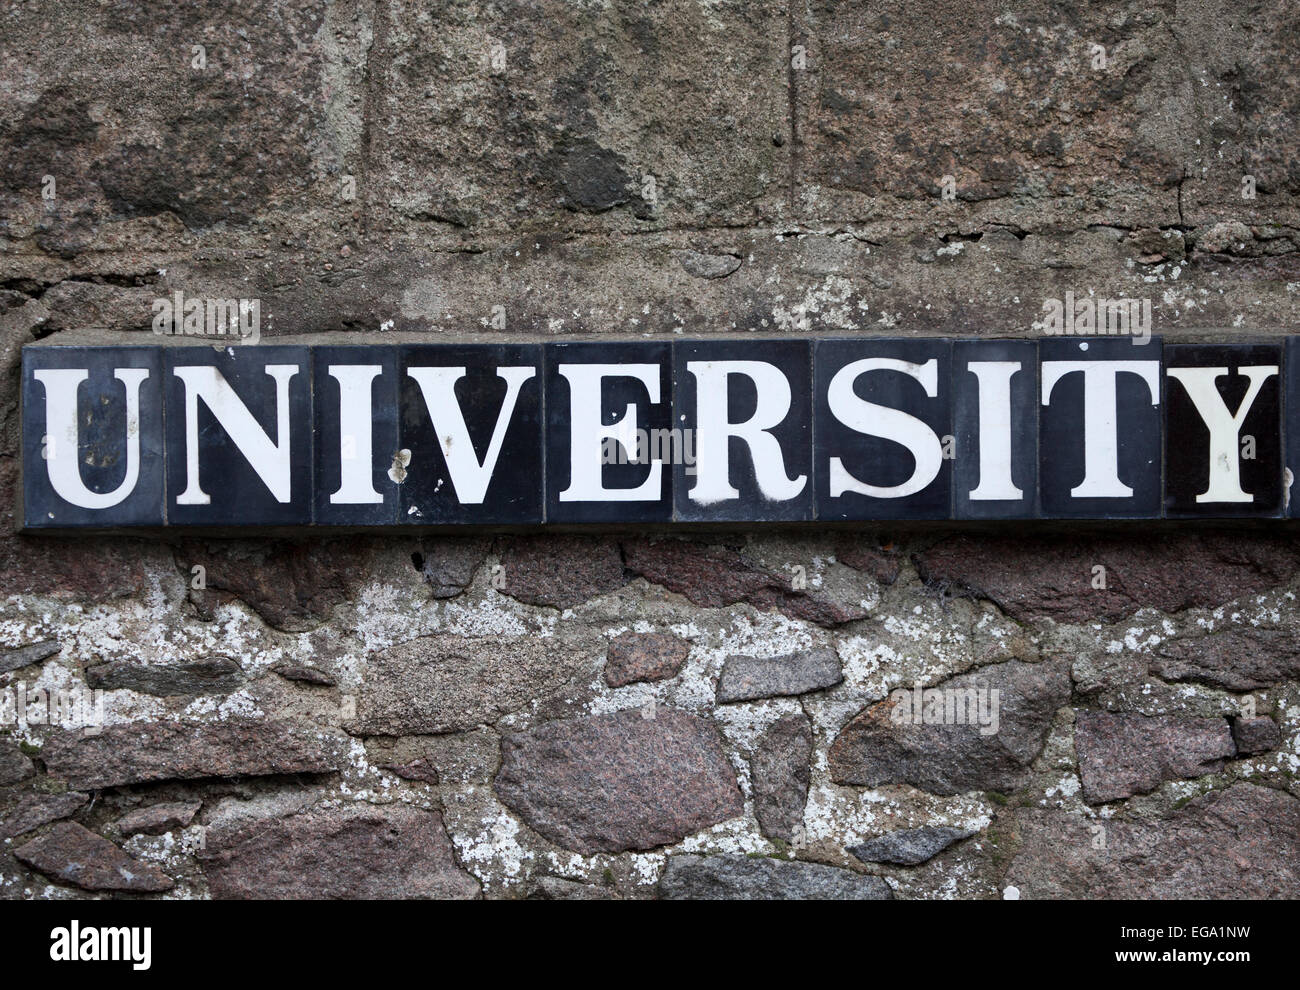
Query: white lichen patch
736, 836
493, 615
486, 838
847, 816
744, 723
830, 301
361, 781
1066, 787
386, 614
240, 704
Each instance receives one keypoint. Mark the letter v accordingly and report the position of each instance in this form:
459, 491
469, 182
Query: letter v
469, 477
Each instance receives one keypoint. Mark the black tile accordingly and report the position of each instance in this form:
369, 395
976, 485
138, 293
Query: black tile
637, 376
1122, 432
357, 440
1245, 463
455, 399
245, 384
883, 408
995, 423
79, 454
742, 473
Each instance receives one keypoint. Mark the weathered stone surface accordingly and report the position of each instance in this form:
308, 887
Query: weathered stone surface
1235, 659
419, 770
14, 764
1252, 142
448, 564
559, 889
882, 562
636, 657
114, 307
593, 178
449, 683
575, 107
708, 265
741, 878
354, 851
1255, 735
1103, 675
881, 747
1041, 577
218, 142
158, 818
70, 853
1021, 137
26, 655
561, 571
212, 675
1125, 754
457, 182
746, 678
623, 781
304, 674
84, 571
148, 751
716, 577
292, 586
910, 846
1224, 238
1240, 843
1155, 245
780, 773
1018, 167
35, 810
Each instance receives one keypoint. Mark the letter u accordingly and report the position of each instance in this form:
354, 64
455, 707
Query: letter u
62, 462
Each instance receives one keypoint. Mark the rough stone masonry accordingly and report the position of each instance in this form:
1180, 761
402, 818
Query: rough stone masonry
619, 714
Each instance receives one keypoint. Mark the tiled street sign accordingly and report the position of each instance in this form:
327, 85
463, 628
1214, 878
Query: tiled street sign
719, 430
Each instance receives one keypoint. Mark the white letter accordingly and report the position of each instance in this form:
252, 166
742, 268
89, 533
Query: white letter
63, 463
1100, 429
269, 460
891, 424
712, 476
59, 950
1225, 427
438, 386
356, 476
586, 432
142, 948
995, 430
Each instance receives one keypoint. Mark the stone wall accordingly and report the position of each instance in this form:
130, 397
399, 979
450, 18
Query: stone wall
599, 714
